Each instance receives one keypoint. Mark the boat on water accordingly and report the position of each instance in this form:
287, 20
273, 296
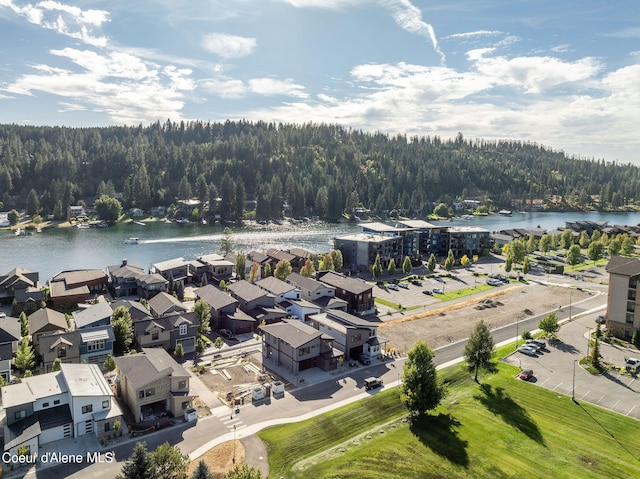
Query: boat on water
504, 213
468, 217
83, 226
132, 241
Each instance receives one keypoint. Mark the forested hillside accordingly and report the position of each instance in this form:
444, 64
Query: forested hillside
316, 169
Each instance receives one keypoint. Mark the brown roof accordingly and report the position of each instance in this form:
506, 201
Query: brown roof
47, 320
623, 266
148, 366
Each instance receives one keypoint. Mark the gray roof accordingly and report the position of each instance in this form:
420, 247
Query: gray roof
9, 329
33, 388
214, 297
348, 284
309, 284
623, 266
293, 332
170, 264
80, 277
163, 302
246, 291
275, 285
94, 313
85, 380
29, 294
350, 319
280, 255
135, 308
168, 322
47, 320
149, 366
125, 270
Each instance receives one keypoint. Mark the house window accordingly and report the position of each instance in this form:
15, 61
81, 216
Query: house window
356, 338
183, 329
56, 402
149, 392
22, 413
141, 394
182, 384
154, 335
304, 351
95, 345
185, 404
45, 404
107, 426
62, 352
630, 317
105, 404
87, 408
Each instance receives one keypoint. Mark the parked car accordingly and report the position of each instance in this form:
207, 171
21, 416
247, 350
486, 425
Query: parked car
632, 364
600, 319
416, 282
536, 343
366, 360
393, 287
494, 282
3, 314
528, 350
440, 280
526, 374
437, 291
225, 333
403, 285
372, 383
427, 291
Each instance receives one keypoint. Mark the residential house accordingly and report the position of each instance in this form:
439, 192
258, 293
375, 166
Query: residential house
72, 287
168, 331
98, 314
174, 270
280, 290
153, 384
310, 289
299, 308
136, 309
219, 268
221, 304
151, 284
255, 257
623, 301
69, 403
30, 299
250, 297
76, 211
164, 303
89, 345
354, 336
296, 346
123, 279
9, 339
358, 294
276, 255
16, 280
45, 322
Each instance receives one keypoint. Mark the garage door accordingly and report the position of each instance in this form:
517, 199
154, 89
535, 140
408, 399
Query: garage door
189, 344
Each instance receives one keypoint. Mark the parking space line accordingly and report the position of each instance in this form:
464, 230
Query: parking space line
612, 407
634, 406
600, 400
558, 386
585, 394
544, 382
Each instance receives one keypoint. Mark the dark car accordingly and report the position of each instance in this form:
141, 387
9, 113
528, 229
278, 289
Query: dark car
427, 291
536, 343
600, 319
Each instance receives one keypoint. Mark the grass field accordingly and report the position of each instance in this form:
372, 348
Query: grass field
502, 428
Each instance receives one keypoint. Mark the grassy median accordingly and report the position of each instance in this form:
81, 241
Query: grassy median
504, 427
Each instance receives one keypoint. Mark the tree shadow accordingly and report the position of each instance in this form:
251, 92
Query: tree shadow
564, 347
501, 404
439, 433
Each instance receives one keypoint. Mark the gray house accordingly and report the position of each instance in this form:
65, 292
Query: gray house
250, 297
98, 314
89, 345
168, 331
164, 303
221, 304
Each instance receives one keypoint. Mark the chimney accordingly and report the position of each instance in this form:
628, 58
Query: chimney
124, 262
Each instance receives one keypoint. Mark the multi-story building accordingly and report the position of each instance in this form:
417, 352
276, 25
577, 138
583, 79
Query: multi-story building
623, 302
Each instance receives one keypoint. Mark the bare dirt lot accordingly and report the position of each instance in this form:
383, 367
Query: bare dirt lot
452, 322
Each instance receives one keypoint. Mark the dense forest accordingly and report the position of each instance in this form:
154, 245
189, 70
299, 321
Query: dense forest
318, 169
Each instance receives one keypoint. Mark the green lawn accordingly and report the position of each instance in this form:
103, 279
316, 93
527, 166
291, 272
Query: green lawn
503, 428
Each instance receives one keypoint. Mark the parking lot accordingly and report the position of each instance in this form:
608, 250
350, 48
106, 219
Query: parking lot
554, 370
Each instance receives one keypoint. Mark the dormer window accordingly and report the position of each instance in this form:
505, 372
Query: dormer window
62, 352
183, 329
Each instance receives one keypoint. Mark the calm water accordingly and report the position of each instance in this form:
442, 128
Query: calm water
70, 248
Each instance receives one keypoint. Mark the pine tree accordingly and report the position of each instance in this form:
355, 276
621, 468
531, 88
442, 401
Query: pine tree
202, 471
139, 465
25, 357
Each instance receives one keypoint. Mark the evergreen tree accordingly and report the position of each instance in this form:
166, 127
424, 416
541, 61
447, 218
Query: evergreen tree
421, 390
267, 270
24, 324
203, 311
226, 242
55, 366
391, 268
406, 265
122, 330
241, 265
431, 264
376, 268
202, 471
139, 464
25, 356
109, 364
478, 352
178, 352
169, 463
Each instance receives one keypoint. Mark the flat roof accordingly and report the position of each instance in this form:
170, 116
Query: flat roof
85, 380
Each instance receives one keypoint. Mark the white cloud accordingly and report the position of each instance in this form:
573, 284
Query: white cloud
271, 86
67, 20
409, 17
225, 88
229, 46
478, 33
560, 48
328, 4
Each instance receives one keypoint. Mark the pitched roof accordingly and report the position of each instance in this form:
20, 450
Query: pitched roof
125, 270
47, 320
10, 329
214, 297
34, 388
151, 365
94, 313
309, 284
246, 291
296, 333
280, 255
168, 322
348, 284
170, 264
135, 308
275, 285
623, 266
163, 302
80, 277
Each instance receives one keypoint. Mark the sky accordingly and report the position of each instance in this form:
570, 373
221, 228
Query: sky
564, 74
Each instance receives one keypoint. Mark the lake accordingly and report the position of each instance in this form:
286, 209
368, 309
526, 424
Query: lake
62, 249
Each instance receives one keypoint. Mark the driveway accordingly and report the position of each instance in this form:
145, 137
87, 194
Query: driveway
554, 369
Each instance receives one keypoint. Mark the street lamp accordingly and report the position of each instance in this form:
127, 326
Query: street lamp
588, 340
234, 444
573, 388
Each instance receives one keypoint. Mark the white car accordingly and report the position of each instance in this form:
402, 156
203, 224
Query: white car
3, 314
393, 287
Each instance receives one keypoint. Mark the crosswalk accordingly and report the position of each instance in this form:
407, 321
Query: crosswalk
227, 416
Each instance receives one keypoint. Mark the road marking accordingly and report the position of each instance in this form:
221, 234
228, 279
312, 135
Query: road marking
615, 404
634, 406
544, 382
600, 400
558, 386
585, 394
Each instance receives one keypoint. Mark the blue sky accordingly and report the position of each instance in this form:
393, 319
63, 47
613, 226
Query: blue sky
565, 74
